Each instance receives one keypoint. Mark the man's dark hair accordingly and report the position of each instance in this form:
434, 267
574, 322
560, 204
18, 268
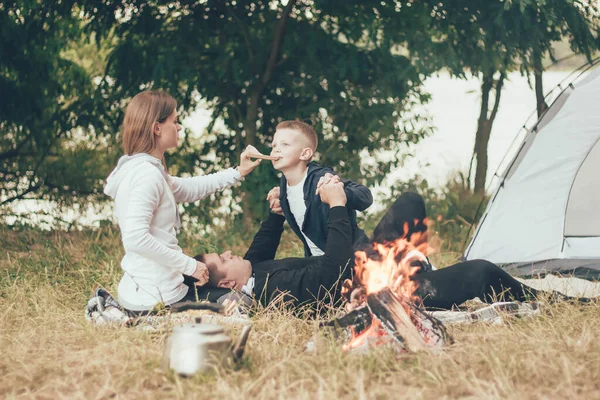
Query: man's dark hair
214, 274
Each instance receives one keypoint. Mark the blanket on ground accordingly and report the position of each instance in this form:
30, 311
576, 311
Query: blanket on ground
495, 313
103, 309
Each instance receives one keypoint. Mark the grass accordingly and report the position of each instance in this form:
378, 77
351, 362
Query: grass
49, 350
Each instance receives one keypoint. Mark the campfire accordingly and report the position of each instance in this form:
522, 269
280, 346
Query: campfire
382, 301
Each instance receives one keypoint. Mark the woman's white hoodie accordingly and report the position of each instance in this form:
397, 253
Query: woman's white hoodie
146, 209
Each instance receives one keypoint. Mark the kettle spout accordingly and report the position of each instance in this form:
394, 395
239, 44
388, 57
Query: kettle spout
238, 349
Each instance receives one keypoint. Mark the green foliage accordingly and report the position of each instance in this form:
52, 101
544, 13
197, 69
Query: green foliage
354, 68
49, 145
453, 211
258, 63
454, 214
474, 36
487, 39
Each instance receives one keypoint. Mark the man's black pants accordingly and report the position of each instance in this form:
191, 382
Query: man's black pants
447, 287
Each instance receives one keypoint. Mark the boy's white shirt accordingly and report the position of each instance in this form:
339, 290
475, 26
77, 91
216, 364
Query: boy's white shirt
295, 197
146, 199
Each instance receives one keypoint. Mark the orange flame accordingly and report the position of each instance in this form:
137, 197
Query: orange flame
395, 267
373, 332
375, 275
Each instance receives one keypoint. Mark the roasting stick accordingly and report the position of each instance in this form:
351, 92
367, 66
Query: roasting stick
263, 156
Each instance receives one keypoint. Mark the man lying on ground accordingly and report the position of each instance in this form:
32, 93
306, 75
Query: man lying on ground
307, 281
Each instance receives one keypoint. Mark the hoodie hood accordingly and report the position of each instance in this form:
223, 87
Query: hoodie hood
125, 165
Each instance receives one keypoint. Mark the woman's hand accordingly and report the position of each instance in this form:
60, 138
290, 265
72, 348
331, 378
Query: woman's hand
201, 273
246, 163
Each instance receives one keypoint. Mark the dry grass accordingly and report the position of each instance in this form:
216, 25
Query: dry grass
49, 351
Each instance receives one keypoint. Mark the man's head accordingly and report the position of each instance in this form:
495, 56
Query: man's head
226, 270
295, 142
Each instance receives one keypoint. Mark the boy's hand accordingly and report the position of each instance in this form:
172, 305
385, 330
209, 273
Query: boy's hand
326, 179
333, 193
246, 163
273, 199
201, 273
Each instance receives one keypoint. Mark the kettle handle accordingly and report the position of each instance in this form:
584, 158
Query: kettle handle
238, 349
194, 305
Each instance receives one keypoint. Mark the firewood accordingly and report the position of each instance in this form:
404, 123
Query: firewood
432, 330
354, 321
391, 314
406, 324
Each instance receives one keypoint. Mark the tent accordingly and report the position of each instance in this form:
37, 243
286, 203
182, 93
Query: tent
545, 214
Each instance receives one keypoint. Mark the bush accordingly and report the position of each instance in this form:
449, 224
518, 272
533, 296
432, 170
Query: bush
453, 212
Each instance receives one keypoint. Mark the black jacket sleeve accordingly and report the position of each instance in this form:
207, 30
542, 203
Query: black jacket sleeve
359, 196
265, 242
338, 250
315, 278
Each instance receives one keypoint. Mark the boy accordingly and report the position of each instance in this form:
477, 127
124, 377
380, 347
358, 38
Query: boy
295, 143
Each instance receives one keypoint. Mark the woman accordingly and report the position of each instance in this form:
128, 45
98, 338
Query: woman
146, 199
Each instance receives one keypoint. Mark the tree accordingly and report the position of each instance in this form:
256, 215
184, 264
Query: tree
46, 106
257, 63
553, 21
489, 39
474, 38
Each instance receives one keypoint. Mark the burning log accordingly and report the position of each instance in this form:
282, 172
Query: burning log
387, 318
414, 329
358, 319
390, 313
383, 296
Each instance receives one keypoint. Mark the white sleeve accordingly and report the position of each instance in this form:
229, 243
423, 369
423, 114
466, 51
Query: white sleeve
143, 200
198, 187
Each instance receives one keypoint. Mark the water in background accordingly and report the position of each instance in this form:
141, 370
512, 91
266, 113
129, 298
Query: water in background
454, 109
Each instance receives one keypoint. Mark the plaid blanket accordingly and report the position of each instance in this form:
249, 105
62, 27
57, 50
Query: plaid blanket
103, 309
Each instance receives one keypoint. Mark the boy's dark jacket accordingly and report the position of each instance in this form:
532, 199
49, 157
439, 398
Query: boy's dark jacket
317, 212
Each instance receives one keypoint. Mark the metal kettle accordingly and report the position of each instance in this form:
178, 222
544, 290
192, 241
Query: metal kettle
200, 347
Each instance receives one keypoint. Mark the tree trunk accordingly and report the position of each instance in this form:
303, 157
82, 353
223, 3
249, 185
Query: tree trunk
262, 82
539, 88
482, 139
254, 100
252, 118
484, 126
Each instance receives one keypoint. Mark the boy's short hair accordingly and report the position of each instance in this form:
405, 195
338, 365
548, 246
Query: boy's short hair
307, 130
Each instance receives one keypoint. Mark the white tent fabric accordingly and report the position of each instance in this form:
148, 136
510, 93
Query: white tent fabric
545, 216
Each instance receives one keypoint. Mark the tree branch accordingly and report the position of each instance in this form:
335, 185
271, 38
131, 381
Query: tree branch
277, 41
32, 187
238, 113
259, 87
246, 36
9, 154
